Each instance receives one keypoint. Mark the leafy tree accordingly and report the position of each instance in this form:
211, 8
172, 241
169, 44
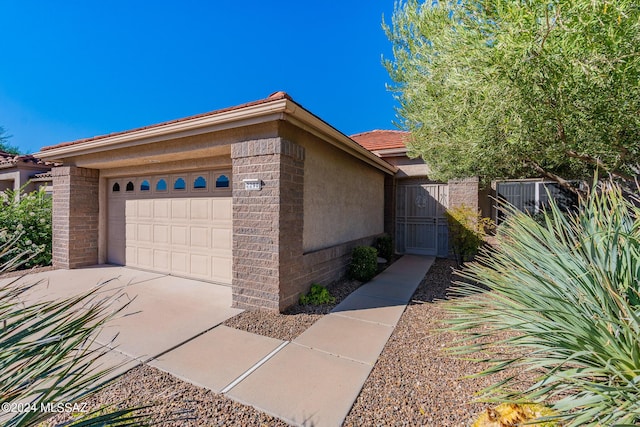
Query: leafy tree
501, 89
4, 145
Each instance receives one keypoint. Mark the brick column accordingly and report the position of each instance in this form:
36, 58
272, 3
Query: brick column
464, 192
75, 217
267, 224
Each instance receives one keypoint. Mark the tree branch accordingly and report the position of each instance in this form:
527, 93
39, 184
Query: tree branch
599, 163
552, 176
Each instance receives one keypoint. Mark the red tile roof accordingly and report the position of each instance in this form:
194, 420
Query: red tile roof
376, 140
273, 97
13, 159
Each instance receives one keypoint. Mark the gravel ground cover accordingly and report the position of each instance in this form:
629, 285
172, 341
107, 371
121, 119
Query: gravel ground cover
19, 273
414, 382
176, 403
293, 322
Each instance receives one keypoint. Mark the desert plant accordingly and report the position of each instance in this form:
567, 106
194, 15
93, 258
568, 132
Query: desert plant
48, 353
568, 292
29, 219
384, 245
364, 263
467, 230
317, 295
515, 414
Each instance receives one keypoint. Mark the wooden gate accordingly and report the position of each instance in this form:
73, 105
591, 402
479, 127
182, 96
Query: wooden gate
421, 224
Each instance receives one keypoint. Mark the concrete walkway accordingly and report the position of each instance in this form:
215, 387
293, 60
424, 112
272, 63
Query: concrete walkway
175, 325
315, 379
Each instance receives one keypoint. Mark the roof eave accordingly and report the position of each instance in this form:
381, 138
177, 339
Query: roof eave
281, 109
313, 124
227, 119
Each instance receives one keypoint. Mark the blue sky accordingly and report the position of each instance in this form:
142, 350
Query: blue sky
75, 69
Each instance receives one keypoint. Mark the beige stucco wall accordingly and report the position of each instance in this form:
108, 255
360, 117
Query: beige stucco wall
343, 197
409, 168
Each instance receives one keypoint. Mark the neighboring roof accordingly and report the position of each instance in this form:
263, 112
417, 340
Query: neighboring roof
42, 176
273, 97
278, 106
8, 160
377, 140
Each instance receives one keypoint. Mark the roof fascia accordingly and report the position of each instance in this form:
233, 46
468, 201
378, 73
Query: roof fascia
225, 120
303, 119
391, 152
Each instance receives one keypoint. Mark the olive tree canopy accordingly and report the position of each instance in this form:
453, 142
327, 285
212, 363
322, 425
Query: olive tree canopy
507, 89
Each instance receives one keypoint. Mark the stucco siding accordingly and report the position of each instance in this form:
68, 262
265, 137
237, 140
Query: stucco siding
343, 198
409, 168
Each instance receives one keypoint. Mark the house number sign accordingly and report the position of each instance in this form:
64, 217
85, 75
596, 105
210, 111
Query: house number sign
252, 184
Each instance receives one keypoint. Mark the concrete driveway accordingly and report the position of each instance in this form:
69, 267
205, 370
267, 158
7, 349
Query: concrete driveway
164, 311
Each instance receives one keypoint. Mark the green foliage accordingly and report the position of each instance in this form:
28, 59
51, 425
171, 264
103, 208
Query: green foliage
569, 292
505, 89
48, 353
318, 295
384, 245
364, 263
27, 223
5, 146
467, 230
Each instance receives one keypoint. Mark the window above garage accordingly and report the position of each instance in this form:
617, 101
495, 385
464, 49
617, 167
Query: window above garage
199, 184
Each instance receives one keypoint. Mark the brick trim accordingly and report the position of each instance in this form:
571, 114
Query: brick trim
265, 147
75, 217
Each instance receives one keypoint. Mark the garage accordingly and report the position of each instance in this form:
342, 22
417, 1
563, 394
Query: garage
178, 224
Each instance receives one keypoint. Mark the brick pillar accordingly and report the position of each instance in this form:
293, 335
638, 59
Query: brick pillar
75, 217
267, 224
464, 192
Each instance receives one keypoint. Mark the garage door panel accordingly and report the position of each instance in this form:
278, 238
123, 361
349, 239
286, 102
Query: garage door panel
131, 254
221, 269
161, 209
199, 237
179, 209
145, 256
179, 262
145, 209
161, 260
161, 234
187, 236
222, 209
199, 265
179, 235
132, 231
221, 239
145, 233
131, 210
199, 209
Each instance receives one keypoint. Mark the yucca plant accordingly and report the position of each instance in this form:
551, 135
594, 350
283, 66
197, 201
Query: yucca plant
47, 351
567, 291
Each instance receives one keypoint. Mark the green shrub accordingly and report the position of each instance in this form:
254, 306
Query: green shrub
364, 263
27, 222
317, 295
384, 245
467, 230
568, 291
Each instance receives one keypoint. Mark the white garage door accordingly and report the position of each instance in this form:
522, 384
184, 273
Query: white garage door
185, 231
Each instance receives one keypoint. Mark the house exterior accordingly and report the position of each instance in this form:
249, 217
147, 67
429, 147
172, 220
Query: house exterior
415, 214
23, 171
265, 197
